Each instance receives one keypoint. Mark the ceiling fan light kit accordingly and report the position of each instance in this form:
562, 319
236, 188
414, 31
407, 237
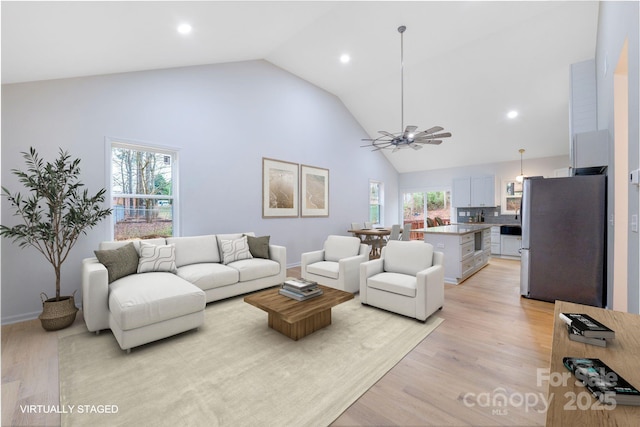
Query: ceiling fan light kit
408, 138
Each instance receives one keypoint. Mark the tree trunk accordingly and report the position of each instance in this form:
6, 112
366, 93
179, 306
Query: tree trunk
57, 269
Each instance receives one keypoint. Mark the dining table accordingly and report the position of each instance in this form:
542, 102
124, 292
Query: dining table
374, 237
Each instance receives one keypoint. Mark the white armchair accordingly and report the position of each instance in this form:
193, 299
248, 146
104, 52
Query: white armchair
407, 279
338, 264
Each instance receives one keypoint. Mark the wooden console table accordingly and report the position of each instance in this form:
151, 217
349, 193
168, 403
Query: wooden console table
570, 406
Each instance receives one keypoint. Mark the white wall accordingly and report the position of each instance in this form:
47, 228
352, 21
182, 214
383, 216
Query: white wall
617, 22
224, 118
442, 178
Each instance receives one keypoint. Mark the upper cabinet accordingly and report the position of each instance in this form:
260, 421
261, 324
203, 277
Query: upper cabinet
474, 192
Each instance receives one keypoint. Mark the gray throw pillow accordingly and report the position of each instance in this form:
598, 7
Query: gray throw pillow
259, 246
120, 262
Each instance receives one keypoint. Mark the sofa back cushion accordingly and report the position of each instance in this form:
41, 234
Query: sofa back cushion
105, 246
407, 257
195, 249
339, 247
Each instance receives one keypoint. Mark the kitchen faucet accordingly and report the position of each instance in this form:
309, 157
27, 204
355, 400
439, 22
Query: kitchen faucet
517, 209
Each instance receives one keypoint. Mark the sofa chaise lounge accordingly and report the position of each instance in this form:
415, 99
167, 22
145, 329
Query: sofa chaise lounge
151, 289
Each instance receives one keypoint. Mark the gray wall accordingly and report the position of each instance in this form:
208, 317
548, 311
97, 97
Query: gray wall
224, 119
618, 21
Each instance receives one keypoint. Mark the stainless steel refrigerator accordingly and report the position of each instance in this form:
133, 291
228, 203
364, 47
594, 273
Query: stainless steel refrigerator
564, 239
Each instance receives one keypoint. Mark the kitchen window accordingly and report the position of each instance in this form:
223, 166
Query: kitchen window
143, 190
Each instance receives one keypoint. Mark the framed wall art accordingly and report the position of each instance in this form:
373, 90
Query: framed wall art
280, 181
314, 191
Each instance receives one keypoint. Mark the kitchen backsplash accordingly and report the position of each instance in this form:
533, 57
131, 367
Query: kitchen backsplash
466, 214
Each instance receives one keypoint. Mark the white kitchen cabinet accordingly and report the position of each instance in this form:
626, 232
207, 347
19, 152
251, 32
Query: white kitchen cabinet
483, 191
495, 240
510, 245
466, 250
461, 193
474, 192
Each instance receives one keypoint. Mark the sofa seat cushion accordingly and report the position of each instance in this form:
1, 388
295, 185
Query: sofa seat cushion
324, 268
255, 268
143, 299
209, 275
396, 283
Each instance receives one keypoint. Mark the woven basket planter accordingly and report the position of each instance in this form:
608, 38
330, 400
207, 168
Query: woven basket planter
59, 314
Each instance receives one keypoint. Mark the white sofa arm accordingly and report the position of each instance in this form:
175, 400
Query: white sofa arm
429, 290
349, 271
95, 295
368, 269
308, 258
279, 255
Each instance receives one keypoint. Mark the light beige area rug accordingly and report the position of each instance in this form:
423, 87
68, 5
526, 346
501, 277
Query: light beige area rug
233, 371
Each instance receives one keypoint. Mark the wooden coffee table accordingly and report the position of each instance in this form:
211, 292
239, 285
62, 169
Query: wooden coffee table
297, 319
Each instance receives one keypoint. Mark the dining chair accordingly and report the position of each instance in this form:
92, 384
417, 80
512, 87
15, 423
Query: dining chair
395, 232
406, 232
368, 224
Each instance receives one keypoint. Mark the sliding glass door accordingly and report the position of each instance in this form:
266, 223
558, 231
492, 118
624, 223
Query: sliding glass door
426, 209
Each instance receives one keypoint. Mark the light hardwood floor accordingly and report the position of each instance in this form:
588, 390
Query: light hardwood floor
492, 343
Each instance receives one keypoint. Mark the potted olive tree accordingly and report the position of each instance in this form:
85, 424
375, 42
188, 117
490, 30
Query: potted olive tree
54, 213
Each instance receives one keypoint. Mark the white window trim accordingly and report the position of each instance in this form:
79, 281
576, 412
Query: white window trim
380, 200
111, 142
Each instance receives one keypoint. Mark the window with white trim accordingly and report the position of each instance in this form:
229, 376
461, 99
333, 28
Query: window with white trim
376, 201
143, 191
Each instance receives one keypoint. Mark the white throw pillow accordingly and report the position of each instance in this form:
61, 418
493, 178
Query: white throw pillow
157, 258
235, 250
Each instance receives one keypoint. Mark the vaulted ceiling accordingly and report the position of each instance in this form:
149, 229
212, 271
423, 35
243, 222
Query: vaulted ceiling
466, 64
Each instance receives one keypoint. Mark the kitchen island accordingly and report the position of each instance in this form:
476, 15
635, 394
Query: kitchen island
466, 248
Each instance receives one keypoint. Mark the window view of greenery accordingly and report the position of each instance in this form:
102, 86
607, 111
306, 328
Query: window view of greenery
142, 193
375, 202
433, 207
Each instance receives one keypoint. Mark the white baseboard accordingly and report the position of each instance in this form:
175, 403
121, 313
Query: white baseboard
9, 320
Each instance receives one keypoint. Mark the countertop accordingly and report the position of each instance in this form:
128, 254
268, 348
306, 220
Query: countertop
456, 229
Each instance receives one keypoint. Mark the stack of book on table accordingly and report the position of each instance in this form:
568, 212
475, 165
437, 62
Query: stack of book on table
584, 328
300, 289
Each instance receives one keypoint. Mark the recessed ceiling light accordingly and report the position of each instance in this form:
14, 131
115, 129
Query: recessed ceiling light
512, 114
345, 58
184, 28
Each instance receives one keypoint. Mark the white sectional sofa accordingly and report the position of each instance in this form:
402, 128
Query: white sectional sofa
161, 288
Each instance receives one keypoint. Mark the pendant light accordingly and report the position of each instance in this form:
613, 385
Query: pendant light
520, 177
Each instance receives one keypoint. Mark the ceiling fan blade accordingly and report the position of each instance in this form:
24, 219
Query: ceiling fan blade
433, 129
385, 133
441, 135
433, 142
410, 129
416, 146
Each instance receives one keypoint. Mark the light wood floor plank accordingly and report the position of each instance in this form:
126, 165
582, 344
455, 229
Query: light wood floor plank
491, 338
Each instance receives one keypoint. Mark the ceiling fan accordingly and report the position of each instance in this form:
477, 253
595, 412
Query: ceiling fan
408, 138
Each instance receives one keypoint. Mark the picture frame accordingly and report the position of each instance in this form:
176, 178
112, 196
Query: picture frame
314, 191
280, 189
